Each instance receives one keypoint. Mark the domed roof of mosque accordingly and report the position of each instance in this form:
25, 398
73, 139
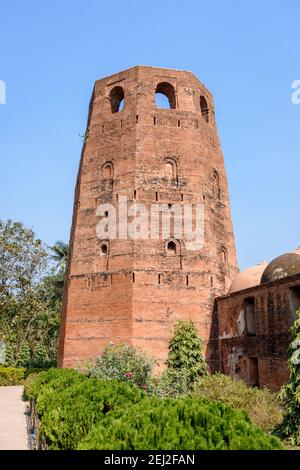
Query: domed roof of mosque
250, 277
283, 266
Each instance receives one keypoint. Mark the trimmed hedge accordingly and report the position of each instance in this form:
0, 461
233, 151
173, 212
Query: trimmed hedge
182, 424
11, 375
68, 404
76, 411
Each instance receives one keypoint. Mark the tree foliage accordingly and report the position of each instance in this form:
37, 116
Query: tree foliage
290, 393
69, 404
30, 294
125, 363
181, 424
185, 363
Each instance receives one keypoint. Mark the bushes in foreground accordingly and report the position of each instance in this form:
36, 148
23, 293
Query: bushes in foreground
68, 404
11, 375
76, 411
182, 424
262, 405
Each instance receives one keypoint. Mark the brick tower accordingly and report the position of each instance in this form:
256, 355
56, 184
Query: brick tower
131, 290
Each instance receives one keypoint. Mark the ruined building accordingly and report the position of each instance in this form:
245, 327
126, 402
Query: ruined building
122, 287
131, 290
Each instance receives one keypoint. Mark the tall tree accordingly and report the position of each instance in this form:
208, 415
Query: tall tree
30, 294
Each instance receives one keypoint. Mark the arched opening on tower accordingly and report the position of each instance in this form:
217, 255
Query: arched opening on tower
171, 247
107, 171
169, 170
204, 108
216, 184
165, 96
224, 257
116, 97
104, 249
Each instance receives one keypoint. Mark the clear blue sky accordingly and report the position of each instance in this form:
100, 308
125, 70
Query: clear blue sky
247, 53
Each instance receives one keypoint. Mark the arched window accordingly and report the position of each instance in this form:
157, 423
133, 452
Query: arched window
116, 97
224, 256
108, 171
204, 108
216, 184
169, 169
165, 96
104, 249
171, 247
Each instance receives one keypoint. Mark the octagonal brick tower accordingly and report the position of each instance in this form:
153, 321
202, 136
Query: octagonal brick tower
133, 291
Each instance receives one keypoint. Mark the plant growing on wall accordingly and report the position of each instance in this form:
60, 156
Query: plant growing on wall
290, 393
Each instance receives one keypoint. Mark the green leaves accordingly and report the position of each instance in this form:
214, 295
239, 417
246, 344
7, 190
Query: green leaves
30, 294
262, 405
185, 362
125, 363
290, 393
69, 404
187, 424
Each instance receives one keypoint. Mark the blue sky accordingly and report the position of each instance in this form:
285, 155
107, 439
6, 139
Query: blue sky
247, 54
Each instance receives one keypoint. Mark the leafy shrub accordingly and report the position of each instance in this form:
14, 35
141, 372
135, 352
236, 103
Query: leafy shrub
123, 362
185, 363
290, 393
172, 383
11, 375
185, 351
164, 424
263, 406
69, 404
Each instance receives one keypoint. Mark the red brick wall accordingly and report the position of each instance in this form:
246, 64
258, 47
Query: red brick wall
274, 315
102, 303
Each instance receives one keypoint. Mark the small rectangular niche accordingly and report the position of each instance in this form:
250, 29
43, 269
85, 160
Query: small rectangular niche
295, 299
133, 277
187, 280
156, 196
136, 119
253, 372
159, 279
154, 121
134, 194
178, 123
249, 314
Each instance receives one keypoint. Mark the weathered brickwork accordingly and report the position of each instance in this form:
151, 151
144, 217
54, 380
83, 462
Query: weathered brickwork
251, 331
133, 291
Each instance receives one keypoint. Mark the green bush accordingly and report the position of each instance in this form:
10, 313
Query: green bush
263, 406
164, 424
290, 393
185, 363
69, 404
125, 363
11, 375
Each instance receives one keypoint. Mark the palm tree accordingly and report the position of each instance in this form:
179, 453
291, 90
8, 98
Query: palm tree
60, 255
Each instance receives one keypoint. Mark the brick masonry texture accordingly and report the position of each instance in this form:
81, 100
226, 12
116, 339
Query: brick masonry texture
134, 291
256, 352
